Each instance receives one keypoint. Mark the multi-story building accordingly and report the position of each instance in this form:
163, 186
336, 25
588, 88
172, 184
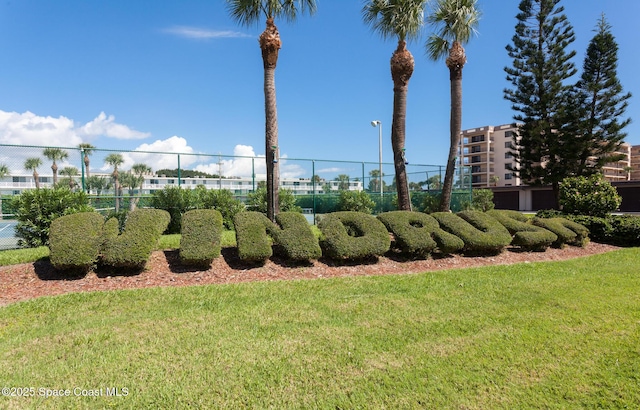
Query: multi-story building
488, 151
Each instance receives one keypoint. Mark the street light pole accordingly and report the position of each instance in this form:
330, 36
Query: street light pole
376, 123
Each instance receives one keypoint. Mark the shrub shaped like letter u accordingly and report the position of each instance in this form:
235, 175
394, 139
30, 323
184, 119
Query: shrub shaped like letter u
419, 234
353, 235
480, 233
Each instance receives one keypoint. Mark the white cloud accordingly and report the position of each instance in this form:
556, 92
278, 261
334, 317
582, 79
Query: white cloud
30, 129
106, 126
201, 33
160, 154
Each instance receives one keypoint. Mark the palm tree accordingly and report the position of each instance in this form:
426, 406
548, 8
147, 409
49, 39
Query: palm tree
115, 160
87, 149
32, 164
248, 12
4, 171
55, 154
70, 172
139, 170
401, 19
455, 22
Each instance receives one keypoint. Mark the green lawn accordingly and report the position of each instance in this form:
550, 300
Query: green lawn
538, 335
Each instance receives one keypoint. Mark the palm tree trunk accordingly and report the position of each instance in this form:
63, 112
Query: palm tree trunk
455, 63
402, 65
270, 45
54, 168
36, 179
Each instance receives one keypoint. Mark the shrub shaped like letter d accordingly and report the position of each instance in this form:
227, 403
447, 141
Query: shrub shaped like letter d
75, 240
353, 235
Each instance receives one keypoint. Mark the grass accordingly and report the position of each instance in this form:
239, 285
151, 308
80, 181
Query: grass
538, 335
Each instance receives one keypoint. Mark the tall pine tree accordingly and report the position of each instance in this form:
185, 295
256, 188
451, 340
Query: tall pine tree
601, 104
541, 66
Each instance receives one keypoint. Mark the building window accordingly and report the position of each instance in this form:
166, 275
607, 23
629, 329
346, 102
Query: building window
19, 179
509, 134
476, 168
477, 138
509, 145
508, 176
171, 181
476, 148
476, 158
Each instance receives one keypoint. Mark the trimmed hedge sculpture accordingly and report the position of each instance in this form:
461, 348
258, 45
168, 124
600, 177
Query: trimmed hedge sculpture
353, 235
291, 237
201, 235
419, 234
480, 233
75, 240
525, 235
132, 248
568, 232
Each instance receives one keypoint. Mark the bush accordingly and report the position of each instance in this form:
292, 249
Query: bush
36, 209
353, 235
254, 245
132, 248
221, 200
568, 232
431, 203
419, 234
480, 233
293, 237
356, 201
175, 201
200, 239
591, 196
525, 235
257, 201
482, 200
619, 230
75, 241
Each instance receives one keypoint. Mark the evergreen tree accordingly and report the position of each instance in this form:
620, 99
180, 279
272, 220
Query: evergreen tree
601, 104
541, 65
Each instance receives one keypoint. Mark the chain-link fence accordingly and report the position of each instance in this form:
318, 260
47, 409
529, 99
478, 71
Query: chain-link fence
114, 178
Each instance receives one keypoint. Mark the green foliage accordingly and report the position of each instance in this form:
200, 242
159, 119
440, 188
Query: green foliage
221, 200
480, 233
293, 238
431, 203
353, 235
254, 245
75, 241
200, 239
132, 248
176, 201
257, 200
593, 196
419, 234
482, 200
525, 235
356, 201
568, 232
619, 230
36, 209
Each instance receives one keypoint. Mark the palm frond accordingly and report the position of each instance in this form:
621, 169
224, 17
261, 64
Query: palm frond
403, 19
453, 20
248, 12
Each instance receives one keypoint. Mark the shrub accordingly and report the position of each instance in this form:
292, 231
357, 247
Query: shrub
356, 201
482, 200
480, 233
419, 234
200, 239
525, 235
75, 241
175, 201
132, 248
431, 203
620, 230
353, 235
568, 232
257, 201
36, 209
293, 237
588, 196
254, 245
221, 200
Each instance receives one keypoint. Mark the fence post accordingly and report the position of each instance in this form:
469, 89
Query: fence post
179, 173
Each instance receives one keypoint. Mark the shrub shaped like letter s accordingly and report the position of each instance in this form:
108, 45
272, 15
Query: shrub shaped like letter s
200, 239
525, 235
480, 233
132, 248
75, 240
353, 235
419, 234
568, 232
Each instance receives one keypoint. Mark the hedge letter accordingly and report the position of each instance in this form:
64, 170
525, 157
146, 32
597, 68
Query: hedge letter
353, 235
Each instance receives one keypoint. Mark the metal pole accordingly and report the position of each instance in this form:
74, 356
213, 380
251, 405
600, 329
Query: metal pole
380, 151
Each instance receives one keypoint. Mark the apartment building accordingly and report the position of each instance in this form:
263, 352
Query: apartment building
488, 152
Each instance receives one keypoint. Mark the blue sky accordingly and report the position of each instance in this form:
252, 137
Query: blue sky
182, 76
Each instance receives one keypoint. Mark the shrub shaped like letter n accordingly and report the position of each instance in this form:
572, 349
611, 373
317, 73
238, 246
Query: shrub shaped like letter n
75, 240
525, 235
419, 234
133, 247
353, 235
200, 238
480, 233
